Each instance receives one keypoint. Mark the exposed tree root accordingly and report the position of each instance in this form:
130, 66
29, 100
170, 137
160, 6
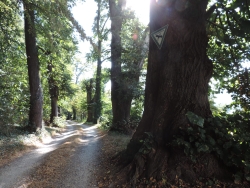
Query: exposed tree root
172, 167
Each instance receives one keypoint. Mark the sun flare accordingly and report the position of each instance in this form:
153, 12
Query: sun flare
141, 8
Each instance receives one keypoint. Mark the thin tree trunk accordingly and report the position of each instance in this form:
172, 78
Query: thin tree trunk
89, 88
36, 99
98, 102
74, 113
54, 92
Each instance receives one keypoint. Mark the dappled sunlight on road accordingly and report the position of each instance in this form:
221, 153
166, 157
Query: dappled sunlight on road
76, 135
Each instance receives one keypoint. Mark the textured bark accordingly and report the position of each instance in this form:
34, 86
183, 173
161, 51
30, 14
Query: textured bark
178, 73
125, 96
98, 103
116, 25
53, 92
36, 99
89, 88
121, 92
176, 82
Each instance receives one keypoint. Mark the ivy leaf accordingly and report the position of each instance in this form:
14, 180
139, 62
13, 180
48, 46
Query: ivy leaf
248, 178
195, 119
203, 147
211, 140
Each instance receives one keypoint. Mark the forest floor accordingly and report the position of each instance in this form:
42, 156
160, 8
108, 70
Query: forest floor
80, 156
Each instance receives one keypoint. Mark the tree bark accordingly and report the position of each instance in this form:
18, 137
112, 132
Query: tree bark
117, 104
36, 99
177, 82
54, 93
123, 83
89, 88
98, 102
74, 113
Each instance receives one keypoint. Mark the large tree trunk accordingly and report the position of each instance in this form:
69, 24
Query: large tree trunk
119, 112
54, 93
125, 95
123, 83
98, 103
36, 99
176, 82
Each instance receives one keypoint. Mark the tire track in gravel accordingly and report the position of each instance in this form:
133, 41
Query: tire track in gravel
80, 170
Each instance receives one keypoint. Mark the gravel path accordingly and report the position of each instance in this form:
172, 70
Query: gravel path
80, 170
77, 172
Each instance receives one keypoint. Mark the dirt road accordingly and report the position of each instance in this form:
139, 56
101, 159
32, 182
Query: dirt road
68, 160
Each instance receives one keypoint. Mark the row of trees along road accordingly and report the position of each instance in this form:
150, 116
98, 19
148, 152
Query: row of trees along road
177, 134
45, 32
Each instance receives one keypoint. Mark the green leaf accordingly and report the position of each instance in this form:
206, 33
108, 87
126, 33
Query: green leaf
248, 178
211, 140
149, 134
195, 119
203, 148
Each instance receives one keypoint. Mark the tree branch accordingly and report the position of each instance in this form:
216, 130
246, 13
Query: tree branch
104, 24
216, 25
106, 59
46, 52
210, 11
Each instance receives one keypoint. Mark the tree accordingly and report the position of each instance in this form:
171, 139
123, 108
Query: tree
36, 99
14, 92
133, 57
176, 86
228, 29
126, 62
89, 88
101, 33
57, 47
116, 25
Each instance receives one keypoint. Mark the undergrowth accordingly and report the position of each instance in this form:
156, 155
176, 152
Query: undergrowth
225, 135
18, 140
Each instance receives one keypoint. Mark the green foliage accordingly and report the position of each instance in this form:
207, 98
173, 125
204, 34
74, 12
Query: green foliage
14, 96
240, 89
216, 110
59, 122
227, 136
137, 109
229, 42
106, 118
195, 119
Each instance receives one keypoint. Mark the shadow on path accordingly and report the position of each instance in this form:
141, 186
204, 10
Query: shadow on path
18, 171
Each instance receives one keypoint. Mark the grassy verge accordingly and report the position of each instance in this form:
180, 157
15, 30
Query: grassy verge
19, 142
